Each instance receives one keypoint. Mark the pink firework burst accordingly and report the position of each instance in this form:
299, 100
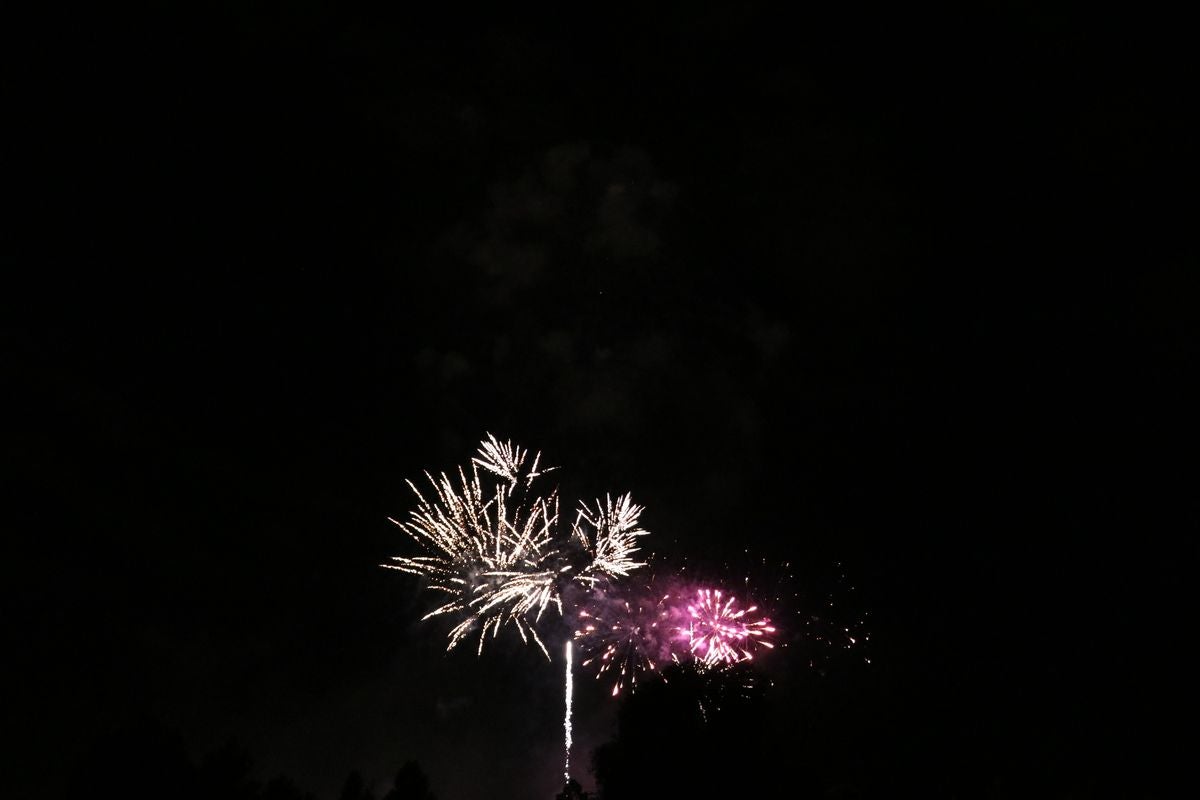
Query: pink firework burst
718, 631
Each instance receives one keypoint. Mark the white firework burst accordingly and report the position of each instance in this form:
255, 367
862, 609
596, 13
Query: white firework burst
494, 554
494, 545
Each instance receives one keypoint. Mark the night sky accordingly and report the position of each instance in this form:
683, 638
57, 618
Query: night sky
893, 295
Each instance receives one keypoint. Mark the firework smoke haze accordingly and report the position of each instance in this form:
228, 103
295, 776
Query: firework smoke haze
626, 633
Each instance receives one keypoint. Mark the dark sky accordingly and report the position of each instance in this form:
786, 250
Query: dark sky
896, 290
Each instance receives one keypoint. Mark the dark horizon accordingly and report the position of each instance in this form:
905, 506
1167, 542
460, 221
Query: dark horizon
883, 293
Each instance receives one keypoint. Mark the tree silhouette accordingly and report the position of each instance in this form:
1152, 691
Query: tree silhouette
282, 788
355, 789
572, 791
226, 774
410, 784
696, 734
140, 761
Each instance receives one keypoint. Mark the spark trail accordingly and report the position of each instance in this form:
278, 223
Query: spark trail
570, 691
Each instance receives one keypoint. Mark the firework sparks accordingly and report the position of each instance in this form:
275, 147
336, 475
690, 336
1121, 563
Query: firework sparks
718, 631
490, 547
493, 544
611, 544
626, 635
505, 460
633, 633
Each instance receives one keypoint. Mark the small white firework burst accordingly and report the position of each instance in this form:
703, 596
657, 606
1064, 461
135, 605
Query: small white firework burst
611, 542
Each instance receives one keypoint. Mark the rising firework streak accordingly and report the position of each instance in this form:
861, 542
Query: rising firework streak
567, 719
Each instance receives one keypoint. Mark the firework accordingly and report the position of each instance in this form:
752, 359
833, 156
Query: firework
718, 631
490, 544
614, 532
569, 694
493, 544
626, 634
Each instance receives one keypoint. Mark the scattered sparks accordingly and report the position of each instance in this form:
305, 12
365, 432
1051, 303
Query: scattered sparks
626, 635
715, 686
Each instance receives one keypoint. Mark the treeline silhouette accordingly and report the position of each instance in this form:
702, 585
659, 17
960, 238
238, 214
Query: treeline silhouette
727, 733
144, 760
692, 735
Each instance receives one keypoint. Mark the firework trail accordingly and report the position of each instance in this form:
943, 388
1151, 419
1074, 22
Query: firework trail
570, 691
494, 545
